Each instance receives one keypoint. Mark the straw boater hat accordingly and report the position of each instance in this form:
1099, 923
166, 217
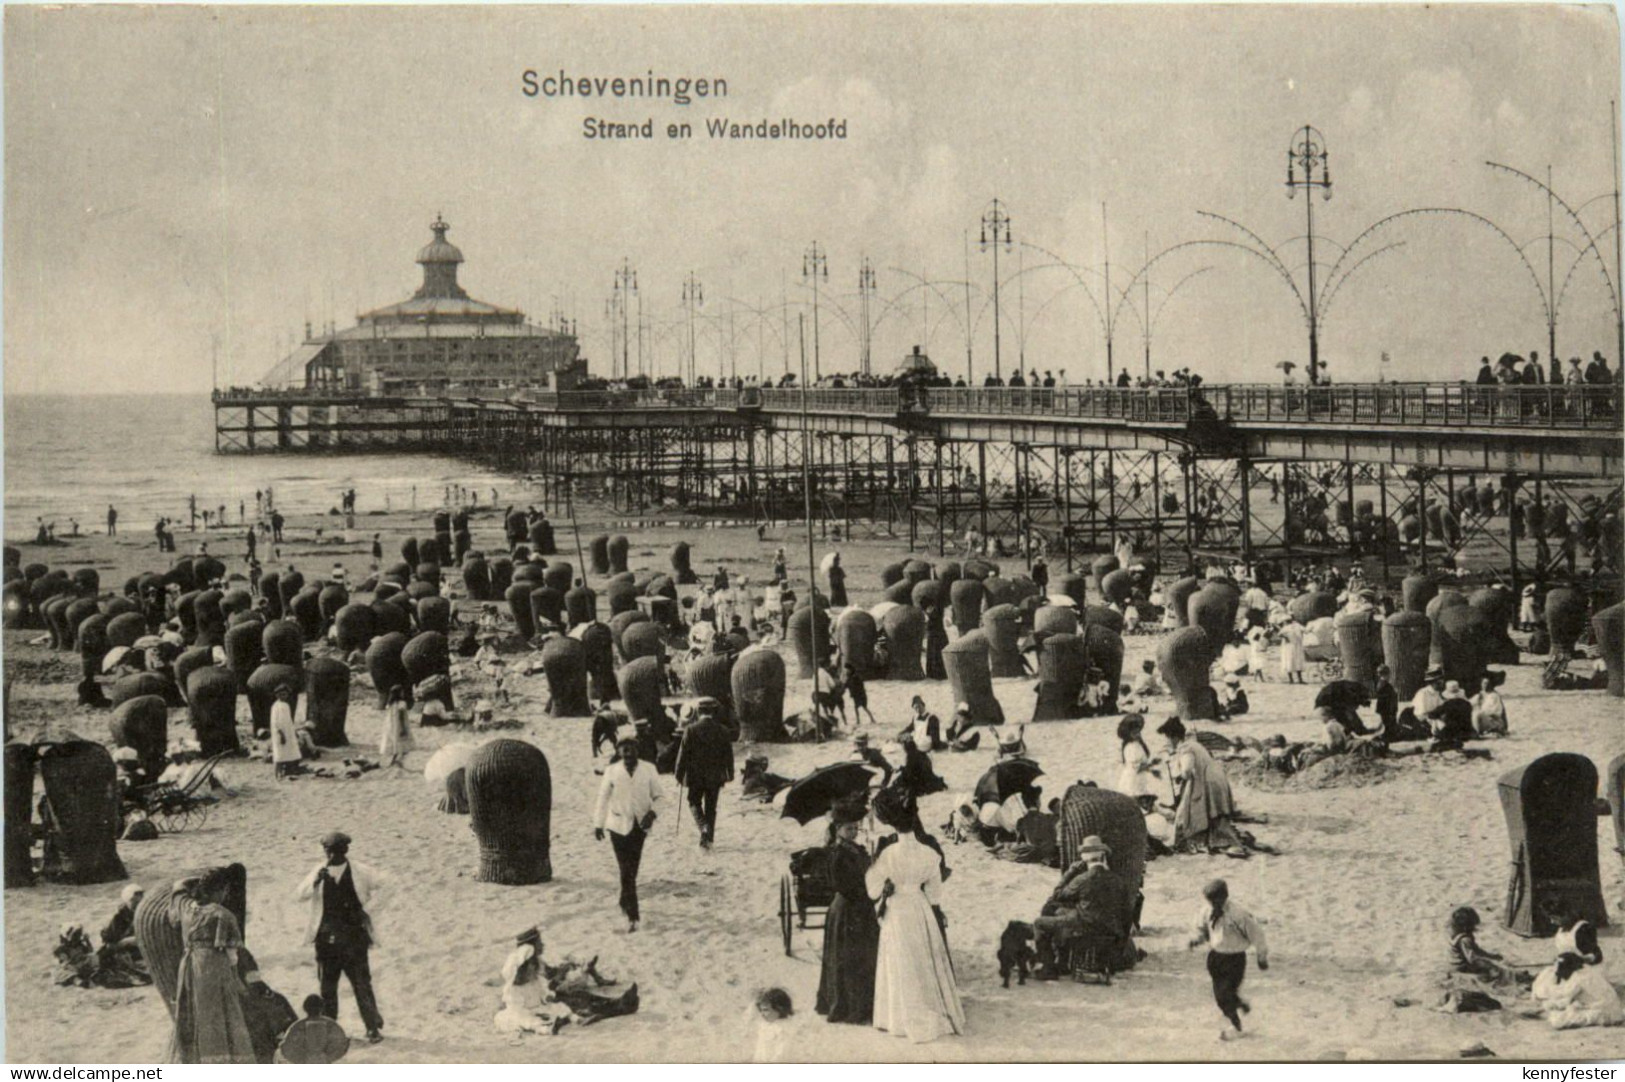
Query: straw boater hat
1452, 690
1433, 674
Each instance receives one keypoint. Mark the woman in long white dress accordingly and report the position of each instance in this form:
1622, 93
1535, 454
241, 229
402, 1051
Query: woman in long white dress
915, 993
1292, 652
285, 750
395, 733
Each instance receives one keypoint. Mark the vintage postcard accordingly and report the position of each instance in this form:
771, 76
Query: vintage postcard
894, 533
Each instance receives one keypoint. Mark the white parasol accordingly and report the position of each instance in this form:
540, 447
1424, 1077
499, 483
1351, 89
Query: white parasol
447, 761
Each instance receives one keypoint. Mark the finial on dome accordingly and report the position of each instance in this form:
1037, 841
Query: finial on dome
439, 226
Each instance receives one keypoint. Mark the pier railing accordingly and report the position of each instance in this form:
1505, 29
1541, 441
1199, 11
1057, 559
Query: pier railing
1547, 406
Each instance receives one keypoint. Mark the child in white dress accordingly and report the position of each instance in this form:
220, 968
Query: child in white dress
772, 1013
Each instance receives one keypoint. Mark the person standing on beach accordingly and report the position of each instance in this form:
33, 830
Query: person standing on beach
705, 763
626, 801
251, 541
1228, 930
395, 736
112, 521
339, 891
285, 750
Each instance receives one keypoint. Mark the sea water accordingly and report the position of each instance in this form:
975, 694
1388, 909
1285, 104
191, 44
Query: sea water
69, 456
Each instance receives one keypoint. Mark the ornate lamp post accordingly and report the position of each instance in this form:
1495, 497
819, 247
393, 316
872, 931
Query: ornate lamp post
1307, 167
813, 266
995, 221
866, 289
626, 287
693, 297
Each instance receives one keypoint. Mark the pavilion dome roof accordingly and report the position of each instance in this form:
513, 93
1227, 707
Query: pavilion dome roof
440, 250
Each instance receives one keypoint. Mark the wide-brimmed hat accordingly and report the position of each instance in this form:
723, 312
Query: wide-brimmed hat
1433, 674
1093, 845
849, 809
1452, 690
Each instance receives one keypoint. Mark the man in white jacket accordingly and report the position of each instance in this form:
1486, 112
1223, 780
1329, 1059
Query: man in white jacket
626, 802
342, 894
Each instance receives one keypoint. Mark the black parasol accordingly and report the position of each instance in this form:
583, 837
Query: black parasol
1343, 695
1005, 778
811, 796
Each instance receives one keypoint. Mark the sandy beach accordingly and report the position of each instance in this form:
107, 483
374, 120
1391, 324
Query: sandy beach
1355, 904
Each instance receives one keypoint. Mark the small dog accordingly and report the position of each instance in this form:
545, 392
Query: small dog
1016, 952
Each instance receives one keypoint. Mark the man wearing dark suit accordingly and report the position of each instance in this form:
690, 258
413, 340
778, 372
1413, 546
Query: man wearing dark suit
705, 763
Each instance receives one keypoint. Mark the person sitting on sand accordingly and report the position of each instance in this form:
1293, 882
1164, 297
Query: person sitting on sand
1233, 697
756, 782
119, 954
1146, 684
527, 1006
924, 728
315, 1038
1489, 710
1453, 721
1415, 722
863, 753
1574, 992
917, 778
1469, 960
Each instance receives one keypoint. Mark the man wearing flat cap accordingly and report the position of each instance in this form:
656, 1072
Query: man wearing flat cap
340, 892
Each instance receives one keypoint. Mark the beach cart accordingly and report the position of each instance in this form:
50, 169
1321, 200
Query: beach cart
805, 894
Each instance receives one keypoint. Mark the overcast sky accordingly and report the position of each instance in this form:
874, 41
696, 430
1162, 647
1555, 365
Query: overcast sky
177, 177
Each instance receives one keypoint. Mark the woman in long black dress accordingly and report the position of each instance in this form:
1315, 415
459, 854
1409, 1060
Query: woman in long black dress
837, 583
846, 987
